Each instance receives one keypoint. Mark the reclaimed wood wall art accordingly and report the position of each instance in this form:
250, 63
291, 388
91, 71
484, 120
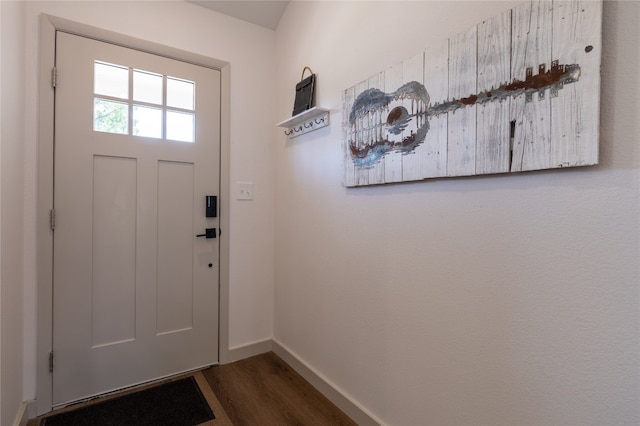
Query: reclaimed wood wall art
517, 92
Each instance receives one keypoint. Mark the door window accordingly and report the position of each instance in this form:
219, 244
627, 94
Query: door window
142, 103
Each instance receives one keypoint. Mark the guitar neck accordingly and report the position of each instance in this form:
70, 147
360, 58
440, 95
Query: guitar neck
554, 79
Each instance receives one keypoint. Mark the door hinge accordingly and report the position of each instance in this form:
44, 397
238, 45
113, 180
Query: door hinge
54, 77
52, 219
51, 362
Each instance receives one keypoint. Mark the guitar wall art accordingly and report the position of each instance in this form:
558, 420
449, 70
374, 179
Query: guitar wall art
517, 92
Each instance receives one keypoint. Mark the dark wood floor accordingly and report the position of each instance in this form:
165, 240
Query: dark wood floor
264, 390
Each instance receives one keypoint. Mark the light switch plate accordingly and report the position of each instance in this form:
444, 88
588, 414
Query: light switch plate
244, 190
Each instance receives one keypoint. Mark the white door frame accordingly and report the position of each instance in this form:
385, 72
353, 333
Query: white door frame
44, 236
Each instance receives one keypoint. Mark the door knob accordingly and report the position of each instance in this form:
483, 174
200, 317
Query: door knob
208, 233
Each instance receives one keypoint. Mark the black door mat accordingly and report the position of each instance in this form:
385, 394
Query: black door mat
178, 403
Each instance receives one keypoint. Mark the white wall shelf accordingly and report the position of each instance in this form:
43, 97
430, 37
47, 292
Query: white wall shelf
307, 121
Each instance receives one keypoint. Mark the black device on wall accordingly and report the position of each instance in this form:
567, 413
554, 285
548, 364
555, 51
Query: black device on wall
211, 206
305, 93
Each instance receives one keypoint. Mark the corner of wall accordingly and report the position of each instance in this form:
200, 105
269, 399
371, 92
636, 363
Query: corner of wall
349, 406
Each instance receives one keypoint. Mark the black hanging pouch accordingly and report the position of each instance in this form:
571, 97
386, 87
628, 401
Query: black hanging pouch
305, 93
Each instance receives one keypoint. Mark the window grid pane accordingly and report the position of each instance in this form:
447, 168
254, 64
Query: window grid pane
147, 121
180, 93
111, 80
110, 116
147, 87
180, 126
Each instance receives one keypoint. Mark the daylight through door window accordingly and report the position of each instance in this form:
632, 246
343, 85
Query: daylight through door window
143, 103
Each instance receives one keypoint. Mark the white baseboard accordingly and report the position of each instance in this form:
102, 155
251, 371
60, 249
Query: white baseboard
252, 349
357, 413
20, 415
26, 411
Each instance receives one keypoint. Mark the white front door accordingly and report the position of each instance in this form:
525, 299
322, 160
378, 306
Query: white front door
136, 153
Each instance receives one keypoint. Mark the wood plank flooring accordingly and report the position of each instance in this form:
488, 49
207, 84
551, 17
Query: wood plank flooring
264, 390
261, 390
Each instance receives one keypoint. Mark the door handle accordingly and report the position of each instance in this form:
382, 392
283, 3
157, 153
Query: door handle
208, 233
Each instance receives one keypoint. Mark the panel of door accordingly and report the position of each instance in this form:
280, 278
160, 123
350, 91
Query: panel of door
135, 290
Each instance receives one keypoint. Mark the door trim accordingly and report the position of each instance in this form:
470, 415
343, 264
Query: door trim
44, 236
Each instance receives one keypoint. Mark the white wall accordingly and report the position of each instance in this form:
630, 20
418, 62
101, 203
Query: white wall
250, 51
487, 300
11, 212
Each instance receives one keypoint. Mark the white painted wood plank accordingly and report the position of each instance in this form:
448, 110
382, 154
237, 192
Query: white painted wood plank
363, 135
462, 122
577, 29
413, 70
348, 134
376, 172
494, 69
436, 81
532, 135
393, 160
531, 47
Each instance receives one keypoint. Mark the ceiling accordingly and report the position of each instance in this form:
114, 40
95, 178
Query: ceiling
266, 13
